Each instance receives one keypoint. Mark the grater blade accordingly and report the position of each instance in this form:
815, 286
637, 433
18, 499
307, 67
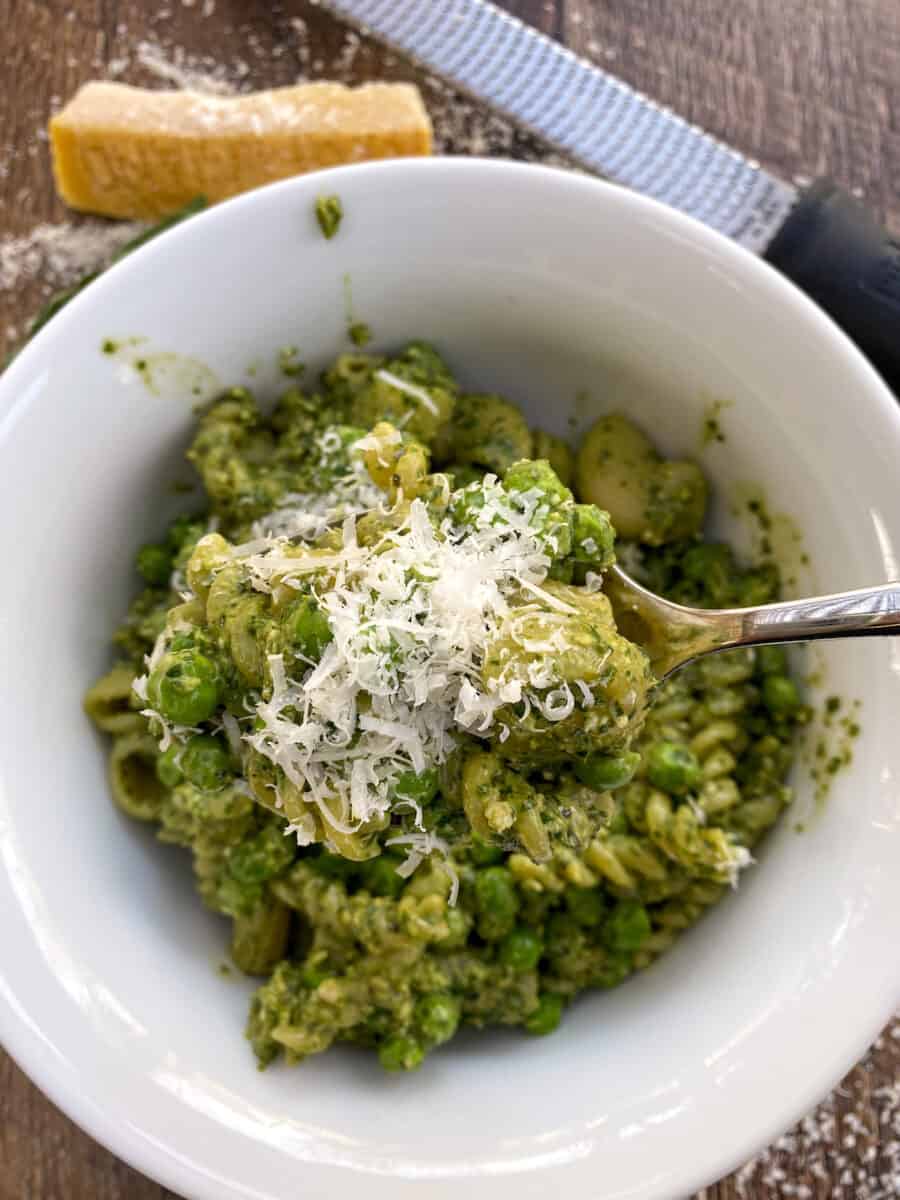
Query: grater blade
595, 119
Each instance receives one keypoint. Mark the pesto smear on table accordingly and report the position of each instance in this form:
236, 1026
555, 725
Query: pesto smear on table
377, 690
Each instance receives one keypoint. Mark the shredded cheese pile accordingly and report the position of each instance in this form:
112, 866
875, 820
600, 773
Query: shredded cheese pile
307, 515
410, 617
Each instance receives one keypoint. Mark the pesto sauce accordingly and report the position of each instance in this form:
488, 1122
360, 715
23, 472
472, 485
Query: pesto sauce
561, 887
711, 431
776, 538
288, 362
329, 214
832, 745
163, 373
359, 333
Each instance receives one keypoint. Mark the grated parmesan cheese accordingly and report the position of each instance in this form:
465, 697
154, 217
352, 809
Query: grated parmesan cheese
410, 618
60, 255
410, 389
308, 515
421, 845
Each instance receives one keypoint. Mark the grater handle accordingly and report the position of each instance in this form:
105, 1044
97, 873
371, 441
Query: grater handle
833, 248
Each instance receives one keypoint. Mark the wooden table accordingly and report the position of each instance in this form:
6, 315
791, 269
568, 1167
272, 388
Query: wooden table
805, 86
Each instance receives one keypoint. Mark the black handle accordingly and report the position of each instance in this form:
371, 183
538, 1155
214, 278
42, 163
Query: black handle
838, 254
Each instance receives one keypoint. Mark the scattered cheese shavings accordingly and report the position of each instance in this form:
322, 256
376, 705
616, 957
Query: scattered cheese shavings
740, 860
421, 845
171, 732
552, 601
232, 732
417, 393
410, 617
308, 515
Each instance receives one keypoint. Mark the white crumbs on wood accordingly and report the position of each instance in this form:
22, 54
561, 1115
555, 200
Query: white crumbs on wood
847, 1149
59, 255
50, 258
174, 66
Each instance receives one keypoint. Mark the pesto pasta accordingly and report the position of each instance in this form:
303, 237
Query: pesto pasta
377, 690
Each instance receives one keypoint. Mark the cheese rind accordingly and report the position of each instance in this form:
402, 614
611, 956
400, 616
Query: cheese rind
122, 151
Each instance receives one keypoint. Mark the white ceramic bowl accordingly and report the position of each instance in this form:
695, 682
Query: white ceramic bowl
572, 297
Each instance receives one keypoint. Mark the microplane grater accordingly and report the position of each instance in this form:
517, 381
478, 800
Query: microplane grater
593, 118
821, 238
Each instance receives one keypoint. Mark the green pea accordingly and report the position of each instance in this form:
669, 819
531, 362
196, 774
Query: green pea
771, 660
676, 501
419, 788
379, 876
154, 563
496, 902
457, 923
759, 585
780, 695
528, 475
563, 571
551, 521
711, 563
561, 929
466, 503
182, 530
547, 1016
585, 905
184, 687
206, 762
168, 767
521, 949
308, 629
437, 1016
400, 1053
627, 927
616, 969
673, 768
262, 857
462, 474
312, 976
237, 898
603, 772
618, 821
332, 866
592, 535
483, 854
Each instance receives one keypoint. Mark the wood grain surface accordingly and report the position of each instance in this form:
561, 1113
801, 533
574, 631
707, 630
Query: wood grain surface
804, 86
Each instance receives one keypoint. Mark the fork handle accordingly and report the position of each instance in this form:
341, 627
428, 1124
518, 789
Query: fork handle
673, 635
865, 612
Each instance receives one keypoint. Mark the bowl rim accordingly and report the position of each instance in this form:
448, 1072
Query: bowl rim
20, 1037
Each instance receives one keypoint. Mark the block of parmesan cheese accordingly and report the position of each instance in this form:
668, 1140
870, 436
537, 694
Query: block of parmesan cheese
126, 152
